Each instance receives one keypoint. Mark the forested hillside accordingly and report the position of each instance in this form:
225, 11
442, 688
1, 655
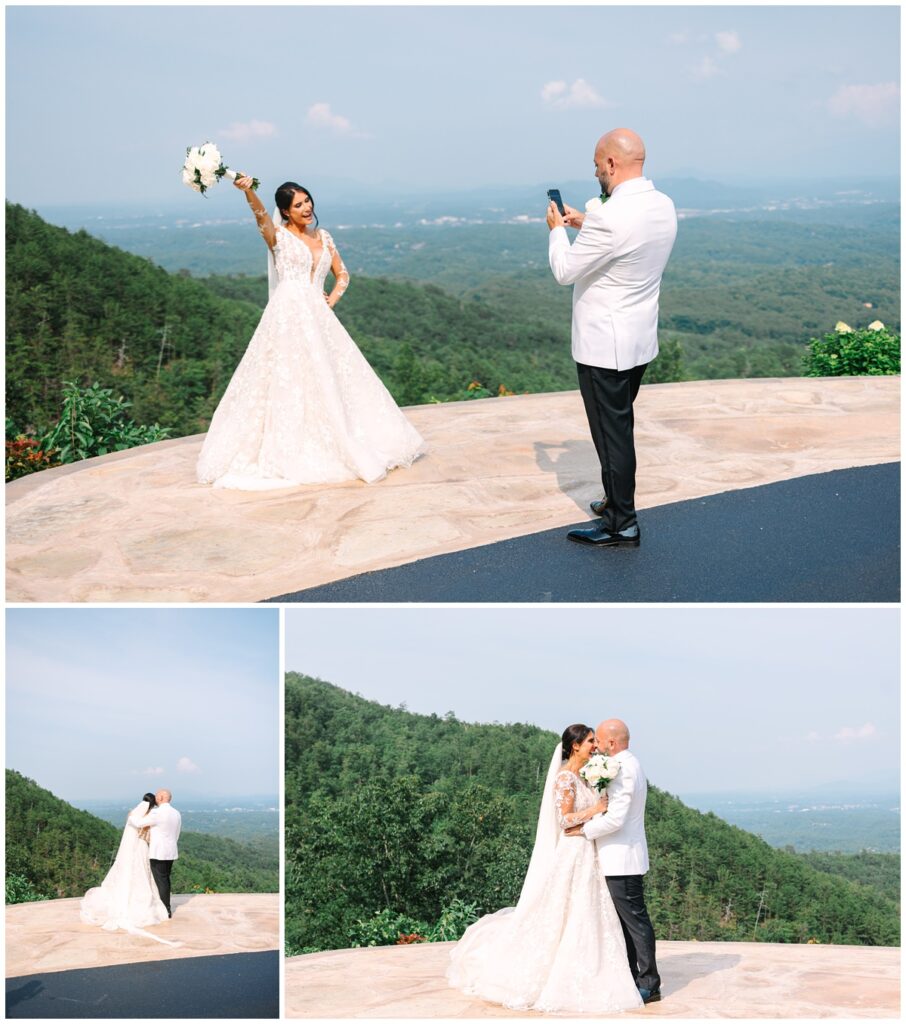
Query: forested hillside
55, 850
78, 309
411, 817
433, 309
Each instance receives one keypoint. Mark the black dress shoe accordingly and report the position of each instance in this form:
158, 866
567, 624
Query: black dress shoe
599, 507
650, 997
601, 538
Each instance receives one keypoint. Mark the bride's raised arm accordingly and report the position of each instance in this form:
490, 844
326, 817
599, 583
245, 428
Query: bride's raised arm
265, 224
565, 799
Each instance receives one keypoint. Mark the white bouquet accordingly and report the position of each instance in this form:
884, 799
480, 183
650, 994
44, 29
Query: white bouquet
598, 770
596, 203
204, 167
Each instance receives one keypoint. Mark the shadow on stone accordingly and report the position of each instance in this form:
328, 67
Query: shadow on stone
683, 968
570, 467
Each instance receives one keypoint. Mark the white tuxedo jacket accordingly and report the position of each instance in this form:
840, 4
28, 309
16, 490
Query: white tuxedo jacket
165, 822
616, 263
620, 833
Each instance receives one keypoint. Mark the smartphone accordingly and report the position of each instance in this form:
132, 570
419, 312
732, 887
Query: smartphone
554, 195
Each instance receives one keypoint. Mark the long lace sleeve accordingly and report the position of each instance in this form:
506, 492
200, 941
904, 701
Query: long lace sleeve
338, 267
565, 800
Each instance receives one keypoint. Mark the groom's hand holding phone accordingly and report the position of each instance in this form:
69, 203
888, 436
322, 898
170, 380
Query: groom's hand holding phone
572, 217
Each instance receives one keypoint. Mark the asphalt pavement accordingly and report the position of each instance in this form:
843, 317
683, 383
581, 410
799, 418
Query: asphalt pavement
245, 985
831, 537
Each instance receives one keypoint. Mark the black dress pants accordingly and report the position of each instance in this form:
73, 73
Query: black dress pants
608, 396
160, 871
628, 894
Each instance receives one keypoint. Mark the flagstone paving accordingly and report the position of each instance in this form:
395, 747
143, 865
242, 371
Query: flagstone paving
135, 526
48, 936
700, 979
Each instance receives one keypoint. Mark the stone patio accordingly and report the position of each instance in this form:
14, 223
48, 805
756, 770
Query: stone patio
700, 979
136, 527
48, 936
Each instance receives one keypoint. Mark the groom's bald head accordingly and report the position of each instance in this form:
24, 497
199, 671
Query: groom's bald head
612, 736
163, 796
619, 156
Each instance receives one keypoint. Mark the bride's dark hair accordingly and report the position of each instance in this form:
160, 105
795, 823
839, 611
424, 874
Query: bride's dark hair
283, 197
573, 734
151, 800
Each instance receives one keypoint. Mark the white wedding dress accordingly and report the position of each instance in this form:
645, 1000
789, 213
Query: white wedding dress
561, 948
127, 899
304, 406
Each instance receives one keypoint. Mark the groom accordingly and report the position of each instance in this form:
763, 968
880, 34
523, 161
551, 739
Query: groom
615, 263
623, 854
165, 822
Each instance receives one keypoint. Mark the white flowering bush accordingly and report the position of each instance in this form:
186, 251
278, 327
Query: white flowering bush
871, 351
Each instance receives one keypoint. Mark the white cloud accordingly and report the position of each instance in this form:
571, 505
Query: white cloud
187, 765
812, 737
863, 732
679, 38
243, 131
552, 90
705, 69
152, 771
578, 96
728, 41
321, 116
869, 103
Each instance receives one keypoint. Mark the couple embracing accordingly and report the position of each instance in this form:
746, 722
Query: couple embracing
580, 939
135, 892
305, 407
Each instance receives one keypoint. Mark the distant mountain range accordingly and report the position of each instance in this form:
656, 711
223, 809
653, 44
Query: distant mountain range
494, 203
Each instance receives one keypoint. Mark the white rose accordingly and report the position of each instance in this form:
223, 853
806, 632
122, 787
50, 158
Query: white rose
842, 328
209, 157
208, 177
876, 325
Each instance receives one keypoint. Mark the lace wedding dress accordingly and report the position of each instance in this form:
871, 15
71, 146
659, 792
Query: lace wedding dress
304, 406
127, 899
561, 948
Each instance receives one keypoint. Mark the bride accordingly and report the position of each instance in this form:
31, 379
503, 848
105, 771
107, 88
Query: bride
561, 948
127, 899
304, 406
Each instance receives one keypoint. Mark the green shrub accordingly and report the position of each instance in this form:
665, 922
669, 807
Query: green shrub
387, 928
20, 890
844, 352
454, 918
94, 422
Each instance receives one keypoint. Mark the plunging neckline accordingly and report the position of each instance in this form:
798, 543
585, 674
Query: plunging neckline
315, 263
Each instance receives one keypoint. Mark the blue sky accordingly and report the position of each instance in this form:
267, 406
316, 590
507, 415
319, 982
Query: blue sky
110, 703
102, 101
758, 700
